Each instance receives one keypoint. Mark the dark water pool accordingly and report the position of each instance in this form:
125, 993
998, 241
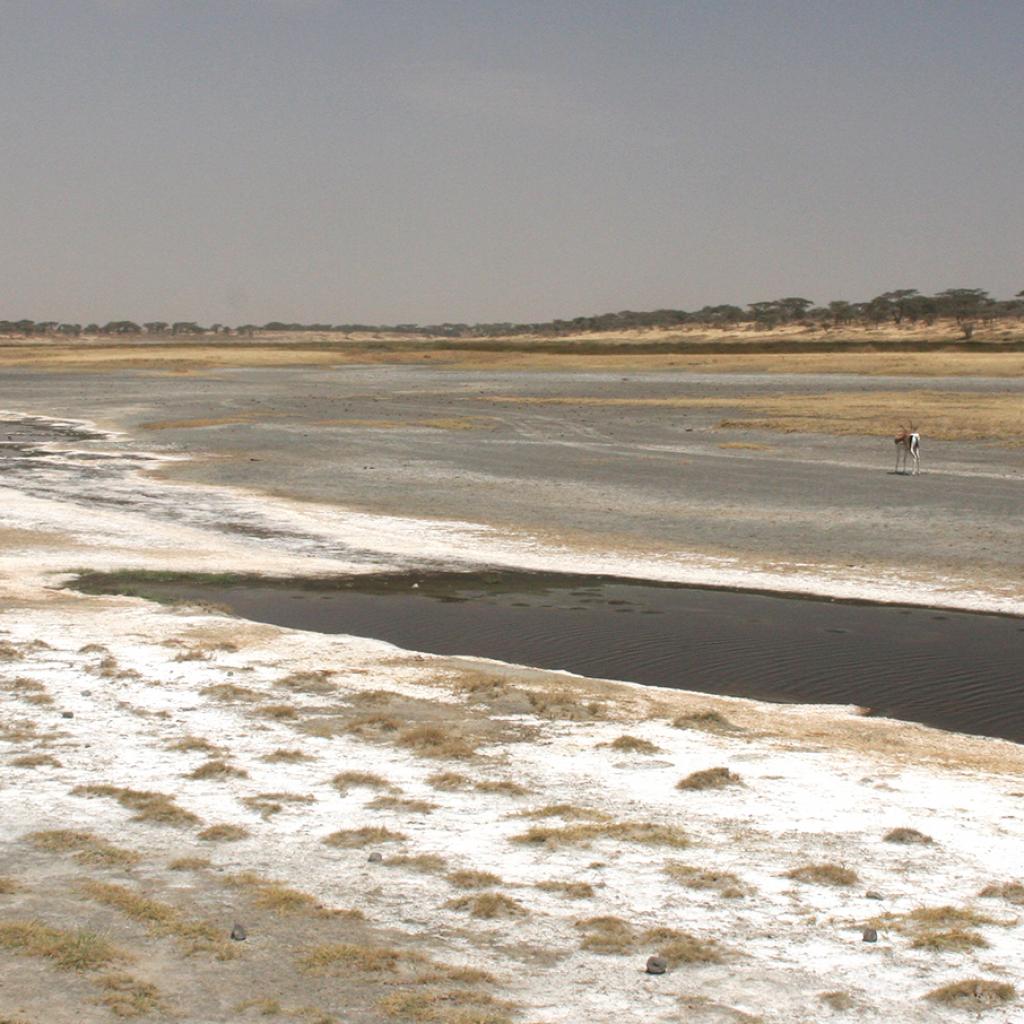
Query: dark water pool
953, 670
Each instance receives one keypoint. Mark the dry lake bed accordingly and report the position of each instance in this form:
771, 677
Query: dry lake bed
411, 836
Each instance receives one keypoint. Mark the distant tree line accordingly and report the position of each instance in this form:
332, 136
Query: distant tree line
967, 306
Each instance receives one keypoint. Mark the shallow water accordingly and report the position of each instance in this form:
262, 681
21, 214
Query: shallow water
952, 670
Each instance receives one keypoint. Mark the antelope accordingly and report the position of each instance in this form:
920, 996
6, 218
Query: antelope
908, 442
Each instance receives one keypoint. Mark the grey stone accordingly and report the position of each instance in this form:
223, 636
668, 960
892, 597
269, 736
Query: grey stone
238, 933
67, 714
656, 965
870, 935
87, 693
375, 857
872, 895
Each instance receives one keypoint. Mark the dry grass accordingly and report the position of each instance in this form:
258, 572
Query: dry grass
269, 804
344, 781
8, 652
86, 848
377, 726
125, 996
569, 812
449, 780
352, 838
907, 837
607, 934
279, 712
837, 1000
949, 940
710, 778
824, 874
189, 743
217, 769
189, 864
401, 804
725, 883
705, 721
149, 806
370, 959
283, 899
1012, 892
317, 682
488, 905
570, 890
286, 756
427, 863
973, 994
436, 741
232, 693
8, 886
224, 833
644, 832
445, 1006
162, 919
468, 879
504, 787
612, 935
35, 761
633, 745
68, 950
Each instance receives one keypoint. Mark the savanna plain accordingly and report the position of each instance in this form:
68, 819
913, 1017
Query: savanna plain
209, 819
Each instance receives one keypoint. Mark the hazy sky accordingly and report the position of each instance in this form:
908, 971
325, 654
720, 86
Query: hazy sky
384, 161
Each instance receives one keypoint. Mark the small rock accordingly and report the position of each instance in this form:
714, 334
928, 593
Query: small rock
872, 895
67, 714
238, 933
870, 935
375, 857
87, 693
656, 965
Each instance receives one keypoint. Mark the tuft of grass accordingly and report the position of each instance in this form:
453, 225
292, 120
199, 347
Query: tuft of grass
269, 804
706, 721
973, 994
445, 1006
607, 935
949, 940
907, 836
633, 745
86, 848
161, 919
428, 863
488, 905
723, 882
8, 886
503, 786
449, 780
683, 948
189, 743
285, 756
126, 996
351, 838
945, 917
149, 806
224, 833
467, 879
710, 778
35, 761
279, 712
69, 950
370, 959
217, 769
401, 803
316, 681
278, 897
189, 863
344, 781
1012, 892
371, 727
824, 874
8, 652
570, 890
232, 692
837, 1000
436, 741
647, 833
570, 812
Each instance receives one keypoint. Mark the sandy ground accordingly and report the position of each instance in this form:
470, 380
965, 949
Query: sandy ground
535, 847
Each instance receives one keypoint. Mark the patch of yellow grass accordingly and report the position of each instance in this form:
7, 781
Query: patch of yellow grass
189, 863
634, 745
368, 958
449, 780
269, 804
86, 848
225, 833
280, 898
974, 994
710, 778
35, 761
503, 787
824, 874
1013, 892
217, 769
344, 781
644, 832
570, 890
350, 838
126, 996
69, 950
469, 879
488, 905
401, 803
723, 882
285, 756
436, 741
428, 863
149, 806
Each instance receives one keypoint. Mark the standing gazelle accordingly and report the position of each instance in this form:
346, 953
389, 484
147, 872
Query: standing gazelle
908, 442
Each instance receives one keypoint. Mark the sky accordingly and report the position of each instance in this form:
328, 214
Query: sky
422, 161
